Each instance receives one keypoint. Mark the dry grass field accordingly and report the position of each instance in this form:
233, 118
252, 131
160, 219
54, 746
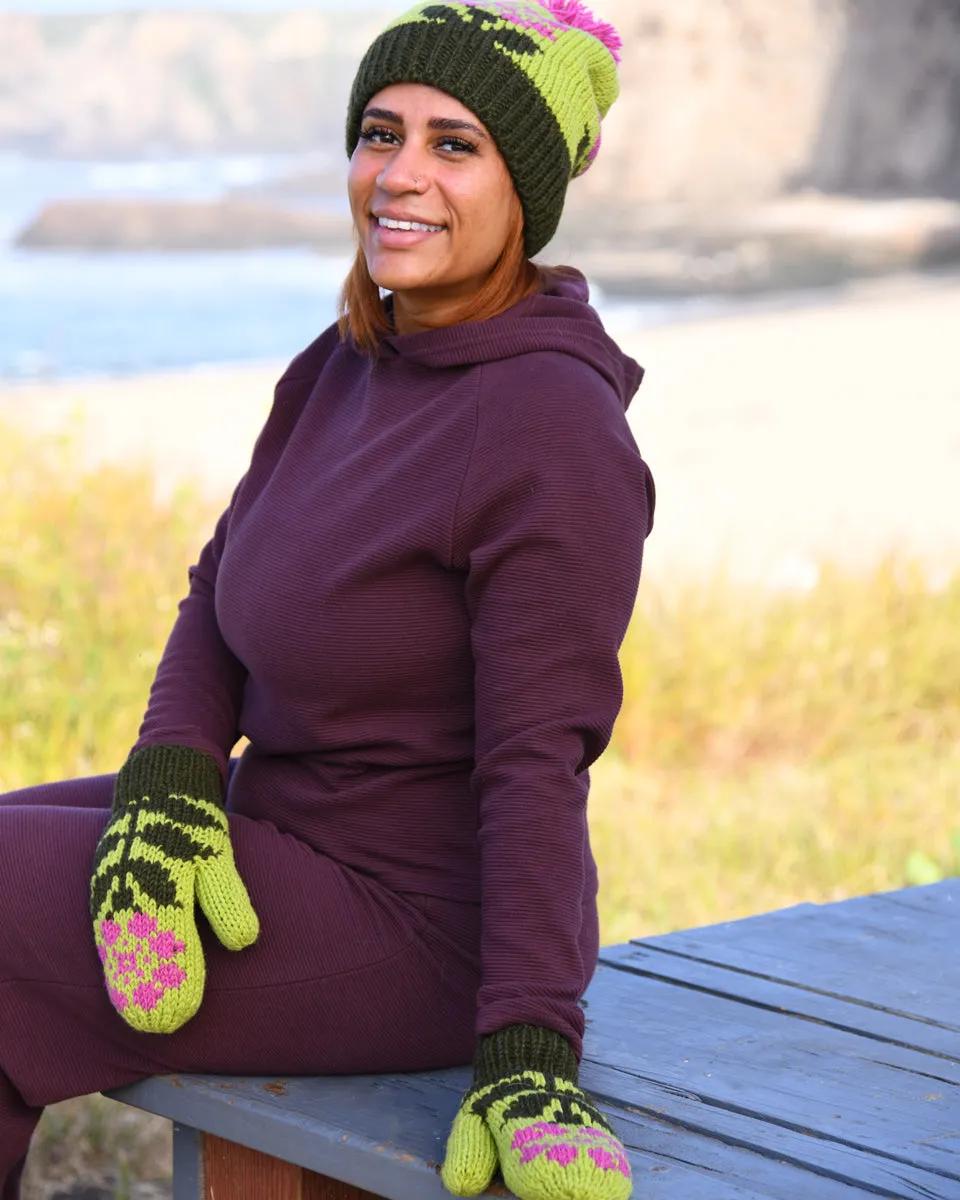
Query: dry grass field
791, 724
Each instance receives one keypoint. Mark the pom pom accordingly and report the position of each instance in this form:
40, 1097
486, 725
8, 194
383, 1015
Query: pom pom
576, 14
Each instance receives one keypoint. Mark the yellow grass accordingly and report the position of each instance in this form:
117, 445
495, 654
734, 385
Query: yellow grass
721, 675
772, 748
692, 847
91, 570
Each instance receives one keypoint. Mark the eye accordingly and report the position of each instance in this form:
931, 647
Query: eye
456, 145
380, 135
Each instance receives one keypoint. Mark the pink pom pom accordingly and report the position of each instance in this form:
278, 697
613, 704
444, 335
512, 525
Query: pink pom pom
578, 16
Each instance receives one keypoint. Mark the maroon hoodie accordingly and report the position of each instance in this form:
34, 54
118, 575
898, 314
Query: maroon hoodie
412, 609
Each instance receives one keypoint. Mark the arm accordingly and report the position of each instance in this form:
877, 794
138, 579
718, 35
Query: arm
198, 688
197, 692
167, 843
557, 504
555, 509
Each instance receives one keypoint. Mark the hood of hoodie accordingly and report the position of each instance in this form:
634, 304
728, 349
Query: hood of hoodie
558, 319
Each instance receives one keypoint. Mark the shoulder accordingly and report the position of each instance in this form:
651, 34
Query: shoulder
308, 364
292, 393
547, 388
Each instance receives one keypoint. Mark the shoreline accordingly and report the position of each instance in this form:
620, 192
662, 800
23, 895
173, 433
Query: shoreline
625, 315
779, 436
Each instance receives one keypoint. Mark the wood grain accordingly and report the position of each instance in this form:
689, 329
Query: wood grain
235, 1172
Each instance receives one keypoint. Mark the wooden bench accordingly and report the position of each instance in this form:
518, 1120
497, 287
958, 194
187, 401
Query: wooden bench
806, 1054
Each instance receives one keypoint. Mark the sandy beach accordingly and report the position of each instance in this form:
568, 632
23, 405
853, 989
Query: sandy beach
825, 430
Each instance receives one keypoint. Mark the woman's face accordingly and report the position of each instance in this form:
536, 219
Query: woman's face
423, 158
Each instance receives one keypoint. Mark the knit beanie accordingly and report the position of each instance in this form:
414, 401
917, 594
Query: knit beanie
540, 75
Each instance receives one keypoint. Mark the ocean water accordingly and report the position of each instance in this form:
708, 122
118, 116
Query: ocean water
68, 315
73, 315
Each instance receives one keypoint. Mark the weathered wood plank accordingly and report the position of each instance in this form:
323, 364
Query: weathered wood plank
674, 1129
187, 1163
650, 960
938, 900
239, 1173
808, 1054
244, 1174
798, 1162
361, 1130
835, 1087
895, 951
319, 1187
670, 1162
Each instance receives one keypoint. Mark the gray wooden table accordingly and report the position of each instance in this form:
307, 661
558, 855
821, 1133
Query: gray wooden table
806, 1054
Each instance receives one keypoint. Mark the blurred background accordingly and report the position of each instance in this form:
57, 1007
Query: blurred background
772, 229
192, 161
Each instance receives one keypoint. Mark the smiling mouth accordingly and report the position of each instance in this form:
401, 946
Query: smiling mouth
408, 226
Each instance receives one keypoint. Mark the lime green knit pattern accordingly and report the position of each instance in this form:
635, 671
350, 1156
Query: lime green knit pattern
549, 1140
167, 844
574, 73
540, 85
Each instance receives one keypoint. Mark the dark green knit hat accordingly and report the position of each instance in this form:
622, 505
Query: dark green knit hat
540, 75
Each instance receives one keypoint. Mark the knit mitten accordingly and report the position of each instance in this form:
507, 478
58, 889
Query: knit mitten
526, 1112
167, 843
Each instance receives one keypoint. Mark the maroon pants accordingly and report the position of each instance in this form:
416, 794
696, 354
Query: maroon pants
345, 977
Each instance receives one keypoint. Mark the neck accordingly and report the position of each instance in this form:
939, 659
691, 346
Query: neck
415, 315
417, 312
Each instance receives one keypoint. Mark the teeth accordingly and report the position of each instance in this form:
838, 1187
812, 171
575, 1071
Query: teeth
416, 226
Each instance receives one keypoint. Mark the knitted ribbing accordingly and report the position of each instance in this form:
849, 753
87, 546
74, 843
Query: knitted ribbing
166, 846
523, 1048
539, 82
148, 773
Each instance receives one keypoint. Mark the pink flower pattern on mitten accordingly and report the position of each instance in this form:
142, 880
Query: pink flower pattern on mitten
562, 1144
140, 963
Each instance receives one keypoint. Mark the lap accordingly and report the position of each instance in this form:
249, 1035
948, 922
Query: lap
345, 976
94, 791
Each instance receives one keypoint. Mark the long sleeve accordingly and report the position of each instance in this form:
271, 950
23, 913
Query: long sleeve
555, 508
198, 688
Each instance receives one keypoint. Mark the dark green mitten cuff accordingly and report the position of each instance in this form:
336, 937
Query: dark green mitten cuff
524, 1048
161, 771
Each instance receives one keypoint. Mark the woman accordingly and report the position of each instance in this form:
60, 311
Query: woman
411, 609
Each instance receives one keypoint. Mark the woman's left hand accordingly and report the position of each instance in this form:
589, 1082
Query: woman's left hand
548, 1138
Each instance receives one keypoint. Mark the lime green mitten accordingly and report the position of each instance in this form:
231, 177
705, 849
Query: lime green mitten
526, 1113
167, 843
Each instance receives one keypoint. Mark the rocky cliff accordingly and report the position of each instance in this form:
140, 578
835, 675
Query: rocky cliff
724, 101
741, 123
891, 117
155, 83
727, 102
720, 100
147, 224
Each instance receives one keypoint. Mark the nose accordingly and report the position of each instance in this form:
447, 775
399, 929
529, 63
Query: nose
405, 171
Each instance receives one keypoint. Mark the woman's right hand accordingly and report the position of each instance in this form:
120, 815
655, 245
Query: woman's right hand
167, 843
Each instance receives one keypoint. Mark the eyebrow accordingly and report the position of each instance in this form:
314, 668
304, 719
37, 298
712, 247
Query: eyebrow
446, 123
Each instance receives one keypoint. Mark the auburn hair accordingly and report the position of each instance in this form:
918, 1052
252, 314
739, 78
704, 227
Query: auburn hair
362, 315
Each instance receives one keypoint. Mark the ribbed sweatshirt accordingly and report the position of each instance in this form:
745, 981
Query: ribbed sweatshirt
412, 609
